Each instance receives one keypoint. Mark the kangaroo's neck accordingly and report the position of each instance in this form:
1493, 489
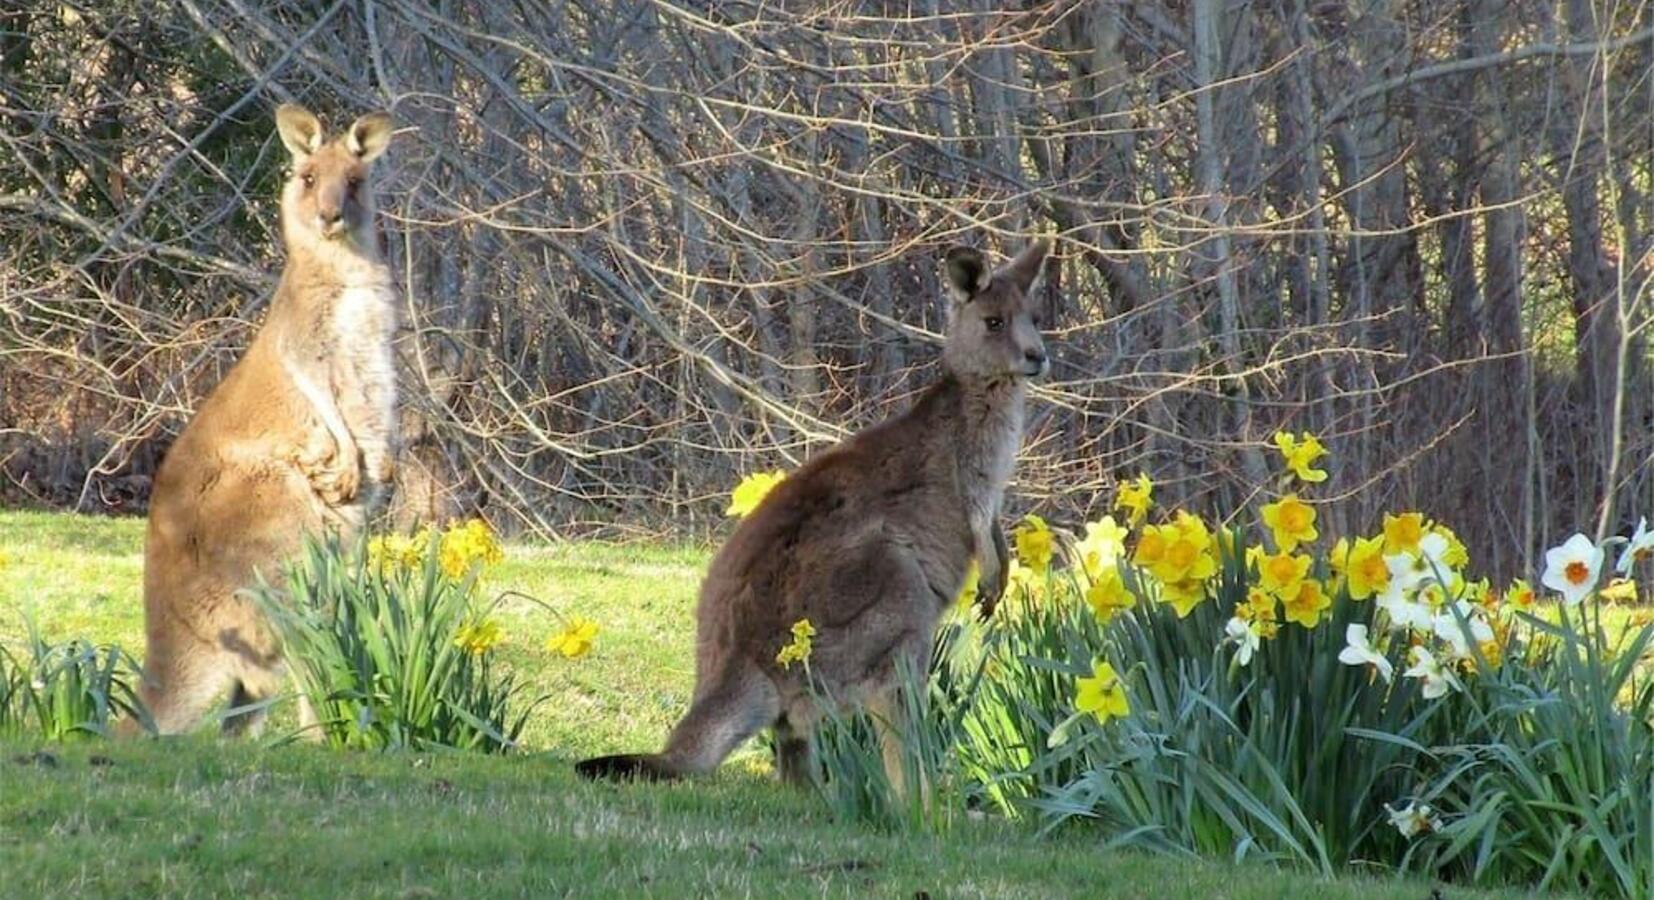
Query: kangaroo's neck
332, 291
986, 433
352, 260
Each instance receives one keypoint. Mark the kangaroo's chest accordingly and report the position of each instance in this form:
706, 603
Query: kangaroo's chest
363, 324
365, 310
986, 459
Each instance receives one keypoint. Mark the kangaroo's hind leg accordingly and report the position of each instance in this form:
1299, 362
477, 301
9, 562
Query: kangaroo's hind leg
793, 755
888, 647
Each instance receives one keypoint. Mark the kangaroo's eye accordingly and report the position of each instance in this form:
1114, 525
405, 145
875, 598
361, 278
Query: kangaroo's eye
994, 323
308, 179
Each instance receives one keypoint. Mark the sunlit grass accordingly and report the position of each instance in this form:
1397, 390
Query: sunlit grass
202, 817
82, 576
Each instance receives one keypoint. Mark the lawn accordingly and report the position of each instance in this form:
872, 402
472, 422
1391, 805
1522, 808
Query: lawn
202, 817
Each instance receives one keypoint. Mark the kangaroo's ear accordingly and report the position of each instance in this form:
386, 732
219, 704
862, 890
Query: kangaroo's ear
370, 135
966, 271
1025, 270
300, 130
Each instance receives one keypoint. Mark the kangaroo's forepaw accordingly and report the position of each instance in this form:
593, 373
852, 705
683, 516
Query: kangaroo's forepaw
336, 478
987, 599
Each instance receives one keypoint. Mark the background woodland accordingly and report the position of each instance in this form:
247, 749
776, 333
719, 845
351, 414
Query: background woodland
648, 246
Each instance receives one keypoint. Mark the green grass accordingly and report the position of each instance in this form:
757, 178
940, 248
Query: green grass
201, 817
81, 576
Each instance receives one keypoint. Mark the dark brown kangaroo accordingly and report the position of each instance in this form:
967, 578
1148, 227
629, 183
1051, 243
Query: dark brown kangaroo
870, 541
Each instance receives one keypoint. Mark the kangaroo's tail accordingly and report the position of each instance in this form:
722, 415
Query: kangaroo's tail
628, 767
722, 716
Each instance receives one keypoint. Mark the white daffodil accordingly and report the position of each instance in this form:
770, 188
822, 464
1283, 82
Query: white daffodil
1640, 548
1413, 819
1358, 652
1447, 628
1404, 607
1433, 549
1416, 614
1406, 572
1245, 636
1437, 680
1398, 598
1572, 569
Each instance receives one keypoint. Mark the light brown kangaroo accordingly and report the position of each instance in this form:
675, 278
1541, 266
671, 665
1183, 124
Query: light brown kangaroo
299, 437
870, 541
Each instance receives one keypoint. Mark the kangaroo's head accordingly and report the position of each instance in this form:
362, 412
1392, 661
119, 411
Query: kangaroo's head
328, 198
992, 333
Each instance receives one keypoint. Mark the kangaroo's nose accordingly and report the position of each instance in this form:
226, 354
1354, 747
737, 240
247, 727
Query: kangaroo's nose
330, 216
1035, 355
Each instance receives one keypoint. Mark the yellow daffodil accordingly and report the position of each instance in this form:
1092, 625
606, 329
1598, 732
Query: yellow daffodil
1259, 606
751, 491
1480, 593
1402, 533
478, 638
967, 591
1136, 498
1619, 590
1281, 573
575, 640
471, 543
1307, 604
1493, 652
1184, 595
1034, 542
1024, 583
389, 553
1185, 550
1338, 559
1520, 595
798, 650
1182, 556
1101, 694
1301, 454
1228, 543
1108, 595
1151, 548
1101, 548
1291, 521
1364, 569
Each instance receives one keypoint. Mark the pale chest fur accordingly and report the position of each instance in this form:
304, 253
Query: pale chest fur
989, 440
364, 322
335, 339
